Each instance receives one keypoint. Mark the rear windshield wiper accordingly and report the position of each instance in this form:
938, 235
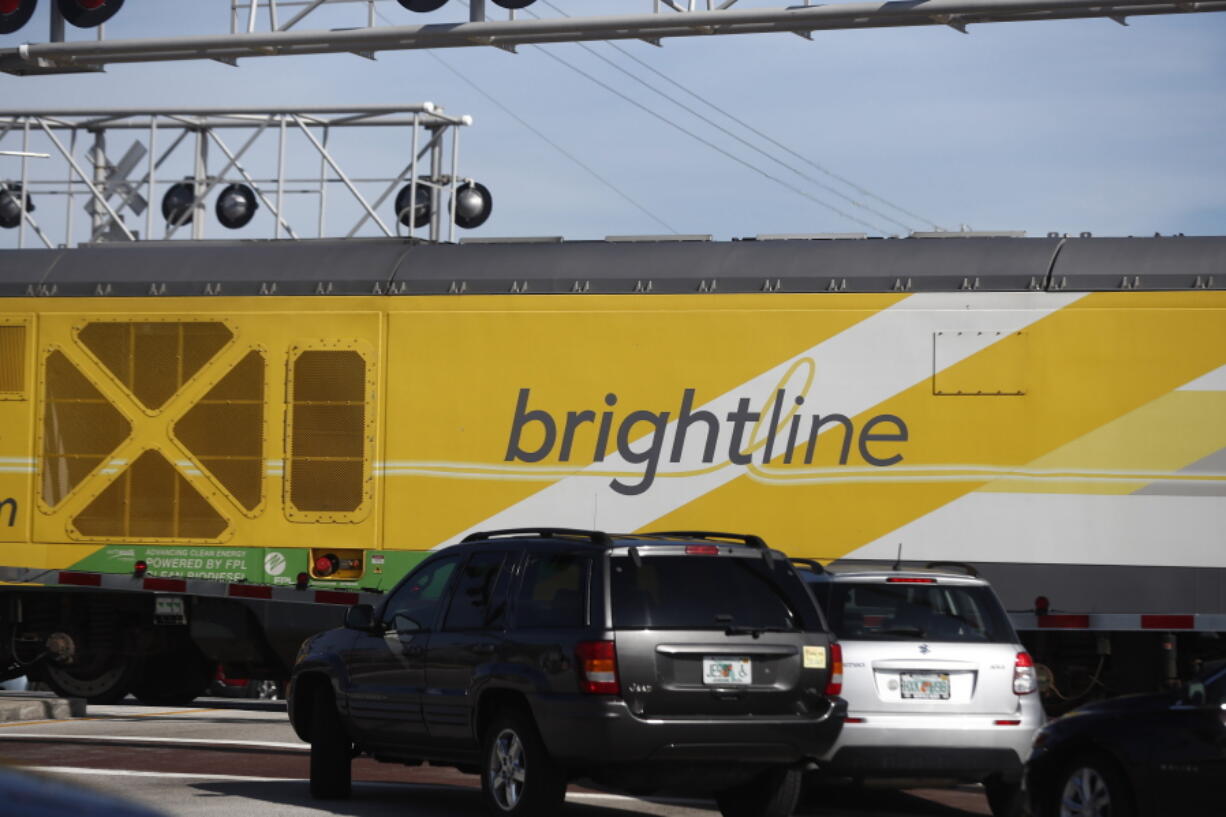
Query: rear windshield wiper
733, 629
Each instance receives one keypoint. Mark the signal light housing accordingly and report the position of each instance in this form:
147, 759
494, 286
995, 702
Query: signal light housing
473, 204
15, 13
598, 667
89, 13
514, 4
10, 201
178, 202
422, 5
236, 206
417, 211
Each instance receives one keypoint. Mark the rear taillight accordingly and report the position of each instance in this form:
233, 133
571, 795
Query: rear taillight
909, 580
1025, 680
598, 667
835, 685
702, 550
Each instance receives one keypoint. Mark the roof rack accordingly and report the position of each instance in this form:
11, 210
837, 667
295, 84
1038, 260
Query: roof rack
812, 564
743, 538
595, 536
963, 566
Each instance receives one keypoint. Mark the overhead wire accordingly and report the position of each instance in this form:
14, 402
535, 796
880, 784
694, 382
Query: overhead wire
757, 132
543, 137
799, 191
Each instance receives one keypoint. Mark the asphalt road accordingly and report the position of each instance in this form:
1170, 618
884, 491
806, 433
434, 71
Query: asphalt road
223, 758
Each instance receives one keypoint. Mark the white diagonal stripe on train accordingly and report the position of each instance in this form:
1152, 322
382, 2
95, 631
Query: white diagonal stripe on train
1107, 529
1213, 381
858, 368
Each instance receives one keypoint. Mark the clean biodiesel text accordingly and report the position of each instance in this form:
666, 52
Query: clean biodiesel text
552, 431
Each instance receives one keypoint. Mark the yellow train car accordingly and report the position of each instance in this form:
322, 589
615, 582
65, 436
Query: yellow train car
312, 417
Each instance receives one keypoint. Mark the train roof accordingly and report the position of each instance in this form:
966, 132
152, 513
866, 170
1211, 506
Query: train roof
659, 266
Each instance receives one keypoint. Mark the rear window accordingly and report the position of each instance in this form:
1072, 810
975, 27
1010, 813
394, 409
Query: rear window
709, 592
921, 612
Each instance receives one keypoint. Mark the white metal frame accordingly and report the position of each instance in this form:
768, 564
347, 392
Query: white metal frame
89, 172
666, 18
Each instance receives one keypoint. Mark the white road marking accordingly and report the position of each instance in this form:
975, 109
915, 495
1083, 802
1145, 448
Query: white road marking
262, 744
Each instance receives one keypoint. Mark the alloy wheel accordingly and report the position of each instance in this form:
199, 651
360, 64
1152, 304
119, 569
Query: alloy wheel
1085, 794
507, 771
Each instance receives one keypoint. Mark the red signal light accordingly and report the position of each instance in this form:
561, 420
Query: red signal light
327, 564
14, 14
88, 13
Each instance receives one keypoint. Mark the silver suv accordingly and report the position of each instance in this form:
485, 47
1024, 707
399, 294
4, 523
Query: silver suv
939, 688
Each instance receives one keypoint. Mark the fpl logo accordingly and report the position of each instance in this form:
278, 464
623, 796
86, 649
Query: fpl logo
780, 434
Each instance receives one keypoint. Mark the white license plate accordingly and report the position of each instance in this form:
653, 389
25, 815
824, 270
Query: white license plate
169, 610
727, 670
924, 686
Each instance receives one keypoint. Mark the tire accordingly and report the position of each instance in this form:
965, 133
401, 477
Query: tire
1005, 798
518, 778
1090, 786
264, 690
104, 683
772, 793
331, 750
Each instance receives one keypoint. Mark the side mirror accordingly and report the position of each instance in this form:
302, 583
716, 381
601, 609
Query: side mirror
360, 617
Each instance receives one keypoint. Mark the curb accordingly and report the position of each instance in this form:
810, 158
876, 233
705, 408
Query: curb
39, 706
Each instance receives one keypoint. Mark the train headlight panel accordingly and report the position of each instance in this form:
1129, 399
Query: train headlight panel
10, 201
14, 14
473, 204
88, 13
236, 206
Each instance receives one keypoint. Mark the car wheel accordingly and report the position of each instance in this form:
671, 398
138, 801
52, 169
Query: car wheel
517, 775
1005, 798
772, 793
331, 750
1091, 786
264, 690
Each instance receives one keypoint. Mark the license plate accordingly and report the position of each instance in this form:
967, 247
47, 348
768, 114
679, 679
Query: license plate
169, 610
726, 670
924, 686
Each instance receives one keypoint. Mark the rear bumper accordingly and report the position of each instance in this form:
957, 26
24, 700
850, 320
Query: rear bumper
584, 731
958, 747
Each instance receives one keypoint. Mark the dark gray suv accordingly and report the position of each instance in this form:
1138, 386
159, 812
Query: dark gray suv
686, 661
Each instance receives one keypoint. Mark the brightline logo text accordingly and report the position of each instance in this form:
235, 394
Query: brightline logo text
729, 434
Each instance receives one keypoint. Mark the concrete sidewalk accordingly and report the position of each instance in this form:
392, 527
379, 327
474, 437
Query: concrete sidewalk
39, 706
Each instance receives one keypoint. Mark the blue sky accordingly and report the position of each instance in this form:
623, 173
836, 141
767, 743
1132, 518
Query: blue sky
1067, 126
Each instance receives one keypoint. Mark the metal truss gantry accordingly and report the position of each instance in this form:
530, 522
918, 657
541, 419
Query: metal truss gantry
262, 28
254, 147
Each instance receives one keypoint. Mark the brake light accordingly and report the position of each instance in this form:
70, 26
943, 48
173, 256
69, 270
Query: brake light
598, 667
1025, 680
835, 685
909, 580
702, 550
